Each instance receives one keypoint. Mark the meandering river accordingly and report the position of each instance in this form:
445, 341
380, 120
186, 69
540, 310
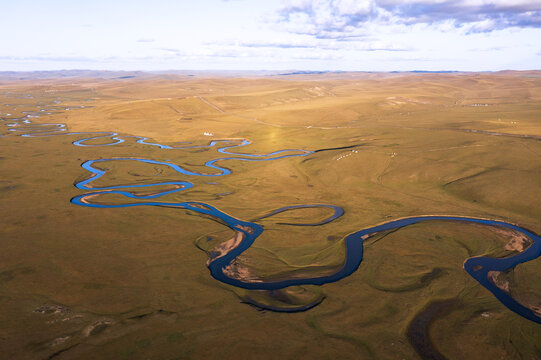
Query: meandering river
477, 267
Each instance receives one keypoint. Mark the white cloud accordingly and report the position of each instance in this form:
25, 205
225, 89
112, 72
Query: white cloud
354, 7
333, 18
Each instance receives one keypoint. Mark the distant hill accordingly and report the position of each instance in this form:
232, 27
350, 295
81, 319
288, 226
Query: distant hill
428, 72
310, 72
127, 75
58, 74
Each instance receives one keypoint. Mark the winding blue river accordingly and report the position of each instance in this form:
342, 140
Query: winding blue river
477, 267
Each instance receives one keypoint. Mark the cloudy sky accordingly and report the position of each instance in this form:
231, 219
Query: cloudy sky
363, 35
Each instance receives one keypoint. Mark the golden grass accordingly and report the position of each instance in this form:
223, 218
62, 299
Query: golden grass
137, 287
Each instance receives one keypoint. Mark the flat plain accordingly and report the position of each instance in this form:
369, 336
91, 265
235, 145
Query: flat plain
132, 283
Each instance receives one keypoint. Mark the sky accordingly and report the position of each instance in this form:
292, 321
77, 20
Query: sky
336, 35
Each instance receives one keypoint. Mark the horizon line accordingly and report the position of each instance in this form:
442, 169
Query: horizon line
275, 72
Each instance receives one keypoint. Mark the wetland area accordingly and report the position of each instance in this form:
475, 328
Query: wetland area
347, 216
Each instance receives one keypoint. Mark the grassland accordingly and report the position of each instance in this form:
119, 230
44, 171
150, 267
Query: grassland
132, 283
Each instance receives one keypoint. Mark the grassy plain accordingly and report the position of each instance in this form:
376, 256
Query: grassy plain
131, 283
